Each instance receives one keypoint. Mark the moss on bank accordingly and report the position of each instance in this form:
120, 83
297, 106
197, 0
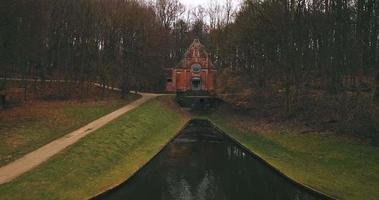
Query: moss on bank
103, 159
333, 164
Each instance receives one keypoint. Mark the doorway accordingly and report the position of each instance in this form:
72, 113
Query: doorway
196, 84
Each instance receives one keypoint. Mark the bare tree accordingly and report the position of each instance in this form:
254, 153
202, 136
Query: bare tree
215, 12
228, 11
198, 13
169, 11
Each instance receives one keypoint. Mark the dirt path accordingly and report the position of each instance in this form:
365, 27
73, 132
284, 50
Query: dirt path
35, 158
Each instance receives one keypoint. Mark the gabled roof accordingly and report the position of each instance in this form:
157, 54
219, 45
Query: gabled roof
196, 46
195, 51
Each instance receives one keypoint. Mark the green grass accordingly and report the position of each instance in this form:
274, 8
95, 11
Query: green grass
24, 129
336, 165
104, 158
339, 166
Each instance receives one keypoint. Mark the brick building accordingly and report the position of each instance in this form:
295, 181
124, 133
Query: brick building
194, 73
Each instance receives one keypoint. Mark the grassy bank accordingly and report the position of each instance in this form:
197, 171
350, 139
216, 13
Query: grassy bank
26, 128
103, 159
336, 165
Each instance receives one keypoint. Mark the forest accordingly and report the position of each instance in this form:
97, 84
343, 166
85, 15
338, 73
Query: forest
310, 60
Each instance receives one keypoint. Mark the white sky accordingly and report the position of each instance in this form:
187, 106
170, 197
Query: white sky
194, 3
204, 3
190, 4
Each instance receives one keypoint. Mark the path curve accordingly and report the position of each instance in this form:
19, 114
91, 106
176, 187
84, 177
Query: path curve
36, 157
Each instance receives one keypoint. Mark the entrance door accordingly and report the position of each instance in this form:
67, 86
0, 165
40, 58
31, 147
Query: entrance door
196, 84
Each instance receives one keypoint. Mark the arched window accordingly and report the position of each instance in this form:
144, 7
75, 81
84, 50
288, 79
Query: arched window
196, 84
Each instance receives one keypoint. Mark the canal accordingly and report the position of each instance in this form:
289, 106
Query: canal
203, 164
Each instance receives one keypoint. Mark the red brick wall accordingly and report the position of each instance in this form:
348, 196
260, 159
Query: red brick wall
182, 75
182, 79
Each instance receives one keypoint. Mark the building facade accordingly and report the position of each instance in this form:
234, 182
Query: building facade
194, 73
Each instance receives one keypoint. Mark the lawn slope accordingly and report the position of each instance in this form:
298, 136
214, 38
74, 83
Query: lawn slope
24, 129
336, 165
103, 159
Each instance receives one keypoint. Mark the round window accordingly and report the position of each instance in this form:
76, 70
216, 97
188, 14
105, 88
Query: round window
196, 68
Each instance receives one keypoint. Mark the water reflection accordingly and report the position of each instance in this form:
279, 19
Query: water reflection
202, 164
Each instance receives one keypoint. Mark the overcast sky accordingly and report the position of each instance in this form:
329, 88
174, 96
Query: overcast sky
194, 3
204, 3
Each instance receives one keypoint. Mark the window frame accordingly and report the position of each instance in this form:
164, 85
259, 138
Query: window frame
198, 66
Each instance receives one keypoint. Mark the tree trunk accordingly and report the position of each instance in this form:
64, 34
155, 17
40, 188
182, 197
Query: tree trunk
2, 101
25, 85
376, 97
4, 82
125, 89
103, 88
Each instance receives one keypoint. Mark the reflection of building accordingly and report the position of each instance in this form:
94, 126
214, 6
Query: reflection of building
194, 73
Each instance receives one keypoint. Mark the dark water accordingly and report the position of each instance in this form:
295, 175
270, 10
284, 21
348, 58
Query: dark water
200, 164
